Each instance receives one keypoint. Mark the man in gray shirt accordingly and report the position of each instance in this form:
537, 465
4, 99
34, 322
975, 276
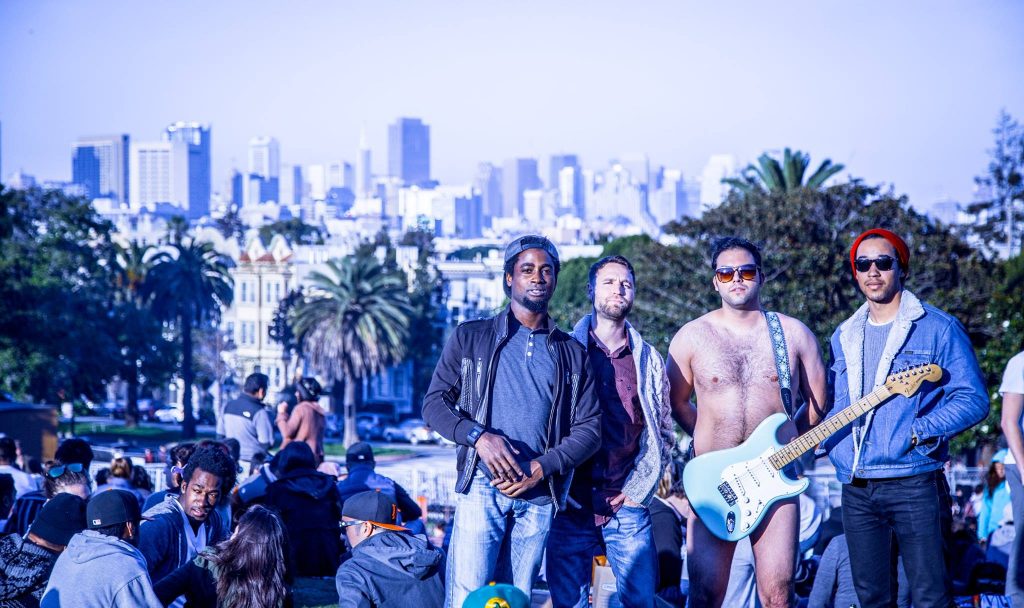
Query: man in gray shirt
248, 420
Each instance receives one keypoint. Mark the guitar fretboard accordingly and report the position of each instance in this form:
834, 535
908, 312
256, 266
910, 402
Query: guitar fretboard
796, 448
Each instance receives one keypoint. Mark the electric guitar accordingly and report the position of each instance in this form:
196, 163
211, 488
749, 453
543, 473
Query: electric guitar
732, 489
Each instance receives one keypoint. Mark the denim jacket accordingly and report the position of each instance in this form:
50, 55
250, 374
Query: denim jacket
920, 334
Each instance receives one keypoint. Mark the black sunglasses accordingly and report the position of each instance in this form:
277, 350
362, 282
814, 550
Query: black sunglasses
726, 274
883, 262
57, 471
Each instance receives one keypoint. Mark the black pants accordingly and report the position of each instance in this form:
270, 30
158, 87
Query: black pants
884, 518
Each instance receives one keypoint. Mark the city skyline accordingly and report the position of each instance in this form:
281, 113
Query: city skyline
675, 83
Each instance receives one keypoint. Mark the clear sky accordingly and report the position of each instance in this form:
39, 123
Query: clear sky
902, 92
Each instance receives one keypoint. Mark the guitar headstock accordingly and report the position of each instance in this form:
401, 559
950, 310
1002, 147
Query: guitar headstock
908, 381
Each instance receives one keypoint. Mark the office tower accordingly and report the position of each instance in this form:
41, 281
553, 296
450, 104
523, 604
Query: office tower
364, 168
518, 175
291, 187
99, 165
570, 191
348, 176
488, 183
197, 137
409, 151
237, 187
265, 165
556, 164
159, 174
298, 185
316, 177
669, 202
712, 190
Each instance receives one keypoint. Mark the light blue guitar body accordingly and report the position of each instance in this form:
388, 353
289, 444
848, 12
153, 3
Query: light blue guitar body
731, 490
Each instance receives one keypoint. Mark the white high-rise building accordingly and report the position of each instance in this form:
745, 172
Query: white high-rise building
364, 168
264, 157
159, 174
712, 190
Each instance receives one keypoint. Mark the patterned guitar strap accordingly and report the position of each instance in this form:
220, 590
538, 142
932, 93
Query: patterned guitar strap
781, 359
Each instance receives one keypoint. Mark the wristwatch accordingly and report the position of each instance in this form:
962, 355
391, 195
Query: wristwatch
474, 434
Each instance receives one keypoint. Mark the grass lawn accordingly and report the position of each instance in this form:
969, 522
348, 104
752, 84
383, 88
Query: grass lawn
337, 449
148, 436
315, 593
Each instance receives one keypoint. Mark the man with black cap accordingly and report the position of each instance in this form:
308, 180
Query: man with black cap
247, 420
101, 567
25, 563
389, 566
517, 395
890, 462
362, 477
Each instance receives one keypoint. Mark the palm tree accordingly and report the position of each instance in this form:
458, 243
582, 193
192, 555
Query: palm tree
131, 300
190, 285
772, 176
353, 322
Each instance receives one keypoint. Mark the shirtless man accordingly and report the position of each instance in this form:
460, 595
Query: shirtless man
726, 356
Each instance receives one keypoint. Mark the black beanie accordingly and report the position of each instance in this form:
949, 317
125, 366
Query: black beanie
61, 517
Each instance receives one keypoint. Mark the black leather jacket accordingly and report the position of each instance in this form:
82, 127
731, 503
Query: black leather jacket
460, 397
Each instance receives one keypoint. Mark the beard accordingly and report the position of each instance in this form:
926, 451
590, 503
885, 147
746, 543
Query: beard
615, 311
534, 306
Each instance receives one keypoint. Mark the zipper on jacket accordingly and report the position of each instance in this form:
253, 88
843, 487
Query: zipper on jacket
555, 400
482, 415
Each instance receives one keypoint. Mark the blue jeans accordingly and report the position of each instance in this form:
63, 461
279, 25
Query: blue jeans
1014, 576
628, 542
489, 525
884, 516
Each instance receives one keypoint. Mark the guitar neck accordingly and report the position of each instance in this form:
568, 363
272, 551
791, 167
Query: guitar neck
806, 442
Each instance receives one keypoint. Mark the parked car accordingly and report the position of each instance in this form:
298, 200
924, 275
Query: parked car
169, 414
413, 430
371, 426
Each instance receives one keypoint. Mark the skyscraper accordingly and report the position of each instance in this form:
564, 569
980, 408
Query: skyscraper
409, 151
265, 165
364, 168
556, 164
518, 175
159, 173
197, 137
488, 184
712, 190
100, 166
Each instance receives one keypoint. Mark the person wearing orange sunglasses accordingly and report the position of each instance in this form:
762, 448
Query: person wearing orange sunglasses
728, 356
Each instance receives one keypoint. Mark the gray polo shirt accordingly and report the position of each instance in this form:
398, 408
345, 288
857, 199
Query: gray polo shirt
521, 399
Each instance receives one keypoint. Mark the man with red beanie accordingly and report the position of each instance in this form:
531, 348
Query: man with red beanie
890, 461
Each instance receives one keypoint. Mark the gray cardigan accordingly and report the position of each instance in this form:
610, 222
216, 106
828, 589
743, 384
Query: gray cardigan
658, 438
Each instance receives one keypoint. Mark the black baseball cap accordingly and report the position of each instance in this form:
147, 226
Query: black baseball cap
373, 507
359, 452
111, 507
532, 241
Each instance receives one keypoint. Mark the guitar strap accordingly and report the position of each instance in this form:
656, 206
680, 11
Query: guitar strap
781, 359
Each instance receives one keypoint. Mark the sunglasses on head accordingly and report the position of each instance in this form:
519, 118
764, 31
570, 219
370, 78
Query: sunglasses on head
883, 262
57, 471
726, 274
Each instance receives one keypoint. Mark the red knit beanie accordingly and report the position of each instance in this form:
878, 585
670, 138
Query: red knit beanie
902, 251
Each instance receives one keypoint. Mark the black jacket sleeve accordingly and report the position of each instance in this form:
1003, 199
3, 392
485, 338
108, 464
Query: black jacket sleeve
584, 436
442, 396
182, 581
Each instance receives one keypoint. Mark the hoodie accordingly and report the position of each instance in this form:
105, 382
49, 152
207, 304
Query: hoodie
308, 504
24, 569
99, 571
162, 538
392, 569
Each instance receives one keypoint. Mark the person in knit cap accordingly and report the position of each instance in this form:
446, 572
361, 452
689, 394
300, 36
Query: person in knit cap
26, 562
890, 460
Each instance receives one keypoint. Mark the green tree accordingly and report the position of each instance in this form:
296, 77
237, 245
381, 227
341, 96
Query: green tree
999, 214
190, 285
770, 175
56, 334
353, 321
280, 330
231, 225
146, 351
426, 299
295, 230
